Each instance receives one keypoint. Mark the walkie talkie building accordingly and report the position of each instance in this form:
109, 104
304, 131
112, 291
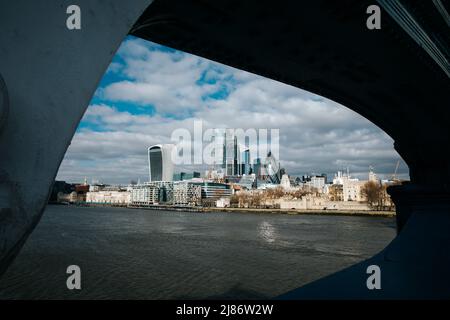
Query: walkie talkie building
160, 165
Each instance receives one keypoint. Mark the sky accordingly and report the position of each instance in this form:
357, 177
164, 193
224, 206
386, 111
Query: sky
150, 90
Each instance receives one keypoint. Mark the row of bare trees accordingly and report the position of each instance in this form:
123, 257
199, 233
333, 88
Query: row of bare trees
376, 195
252, 199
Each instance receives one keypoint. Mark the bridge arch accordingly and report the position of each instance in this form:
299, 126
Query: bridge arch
321, 46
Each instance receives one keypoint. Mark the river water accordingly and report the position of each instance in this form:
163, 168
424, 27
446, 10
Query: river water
144, 254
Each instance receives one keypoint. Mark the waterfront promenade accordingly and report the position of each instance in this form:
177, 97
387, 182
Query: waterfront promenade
362, 213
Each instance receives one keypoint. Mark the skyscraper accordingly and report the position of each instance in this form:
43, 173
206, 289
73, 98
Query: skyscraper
232, 156
257, 167
247, 162
272, 168
160, 165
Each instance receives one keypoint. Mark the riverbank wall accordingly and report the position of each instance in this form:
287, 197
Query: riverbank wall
368, 213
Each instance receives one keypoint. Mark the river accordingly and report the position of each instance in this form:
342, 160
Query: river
146, 254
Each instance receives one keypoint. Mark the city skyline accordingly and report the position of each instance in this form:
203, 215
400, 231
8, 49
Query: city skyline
150, 90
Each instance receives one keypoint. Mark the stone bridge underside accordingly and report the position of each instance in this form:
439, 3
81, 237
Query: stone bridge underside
397, 77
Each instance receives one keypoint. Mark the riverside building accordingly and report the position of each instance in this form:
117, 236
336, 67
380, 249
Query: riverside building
186, 194
144, 195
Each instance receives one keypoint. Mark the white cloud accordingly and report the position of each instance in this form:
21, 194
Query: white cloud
317, 135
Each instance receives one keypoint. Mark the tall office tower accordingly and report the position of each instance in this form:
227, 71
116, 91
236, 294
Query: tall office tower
236, 157
272, 167
232, 156
246, 165
229, 163
224, 154
160, 164
257, 167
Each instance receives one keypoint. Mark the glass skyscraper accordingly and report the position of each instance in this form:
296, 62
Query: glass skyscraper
160, 165
246, 165
232, 156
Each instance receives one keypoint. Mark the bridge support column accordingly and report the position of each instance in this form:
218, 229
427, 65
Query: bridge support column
43, 98
429, 189
414, 198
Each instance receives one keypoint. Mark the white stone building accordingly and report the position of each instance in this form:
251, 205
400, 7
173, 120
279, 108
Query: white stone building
223, 202
307, 202
317, 182
109, 197
351, 187
285, 183
352, 190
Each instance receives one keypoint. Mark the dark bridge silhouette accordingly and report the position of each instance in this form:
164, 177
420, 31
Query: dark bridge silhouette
398, 77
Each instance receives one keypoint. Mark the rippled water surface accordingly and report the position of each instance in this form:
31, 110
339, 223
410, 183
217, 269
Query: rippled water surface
142, 254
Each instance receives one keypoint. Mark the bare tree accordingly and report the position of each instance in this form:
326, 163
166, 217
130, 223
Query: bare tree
376, 195
371, 192
336, 193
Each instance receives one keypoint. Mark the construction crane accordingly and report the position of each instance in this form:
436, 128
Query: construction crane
394, 176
